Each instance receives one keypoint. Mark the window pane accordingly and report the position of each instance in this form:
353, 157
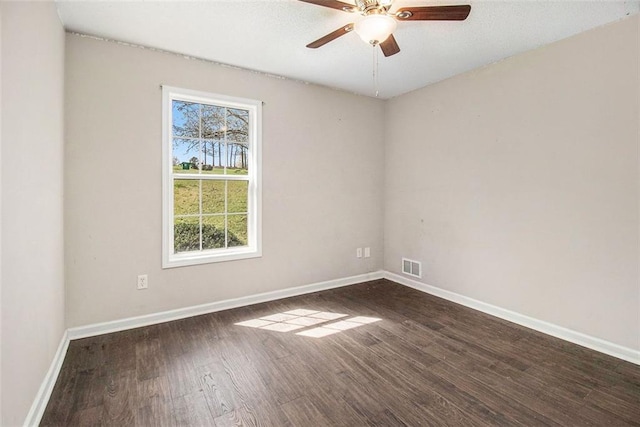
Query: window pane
213, 232
186, 155
237, 196
214, 151
237, 235
186, 196
225, 159
237, 125
213, 122
208, 152
237, 139
212, 196
186, 235
186, 119
238, 158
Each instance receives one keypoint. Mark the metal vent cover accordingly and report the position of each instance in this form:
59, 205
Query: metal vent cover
411, 267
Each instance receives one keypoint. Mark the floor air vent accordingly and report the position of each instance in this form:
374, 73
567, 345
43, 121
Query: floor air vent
411, 267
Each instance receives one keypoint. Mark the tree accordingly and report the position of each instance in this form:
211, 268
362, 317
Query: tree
238, 130
211, 125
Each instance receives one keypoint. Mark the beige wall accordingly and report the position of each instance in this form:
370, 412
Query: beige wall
1, 213
322, 188
32, 163
517, 184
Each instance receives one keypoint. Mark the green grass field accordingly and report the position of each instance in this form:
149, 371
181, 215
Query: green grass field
187, 202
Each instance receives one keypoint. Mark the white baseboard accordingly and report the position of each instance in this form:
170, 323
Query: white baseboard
181, 313
579, 338
44, 393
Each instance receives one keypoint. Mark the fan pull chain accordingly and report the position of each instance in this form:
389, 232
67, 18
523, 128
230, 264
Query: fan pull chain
376, 85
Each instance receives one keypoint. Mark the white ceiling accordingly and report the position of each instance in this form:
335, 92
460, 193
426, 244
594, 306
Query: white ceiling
270, 36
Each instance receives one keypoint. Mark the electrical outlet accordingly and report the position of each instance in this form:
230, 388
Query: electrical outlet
143, 281
359, 252
367, 252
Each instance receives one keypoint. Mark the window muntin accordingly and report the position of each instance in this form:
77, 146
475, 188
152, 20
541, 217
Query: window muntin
211, 170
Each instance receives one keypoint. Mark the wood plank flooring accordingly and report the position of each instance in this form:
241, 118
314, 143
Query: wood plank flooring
426, 362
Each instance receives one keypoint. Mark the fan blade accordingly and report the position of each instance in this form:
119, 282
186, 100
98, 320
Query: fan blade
334, 4
434, 13
331, 36
390, 46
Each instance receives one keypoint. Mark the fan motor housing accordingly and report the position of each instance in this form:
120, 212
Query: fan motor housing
369, 6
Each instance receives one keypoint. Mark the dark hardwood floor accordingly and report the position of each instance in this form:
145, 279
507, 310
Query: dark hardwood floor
425, 362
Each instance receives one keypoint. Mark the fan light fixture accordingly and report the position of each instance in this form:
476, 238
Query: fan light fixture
375, 24
375, 28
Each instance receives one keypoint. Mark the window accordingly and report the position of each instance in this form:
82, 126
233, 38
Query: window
211, 177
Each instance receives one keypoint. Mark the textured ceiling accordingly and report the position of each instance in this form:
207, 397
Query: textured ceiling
270, 36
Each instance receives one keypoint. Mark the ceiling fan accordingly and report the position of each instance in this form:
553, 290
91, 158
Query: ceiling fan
377, 25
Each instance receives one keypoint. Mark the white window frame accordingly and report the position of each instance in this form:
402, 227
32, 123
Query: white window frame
254, 178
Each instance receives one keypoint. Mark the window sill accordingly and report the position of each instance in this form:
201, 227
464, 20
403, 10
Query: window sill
187, 259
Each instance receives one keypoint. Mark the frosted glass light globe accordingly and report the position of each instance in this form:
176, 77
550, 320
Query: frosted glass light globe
375, 28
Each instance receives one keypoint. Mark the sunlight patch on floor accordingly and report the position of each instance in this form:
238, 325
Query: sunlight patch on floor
302, 318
